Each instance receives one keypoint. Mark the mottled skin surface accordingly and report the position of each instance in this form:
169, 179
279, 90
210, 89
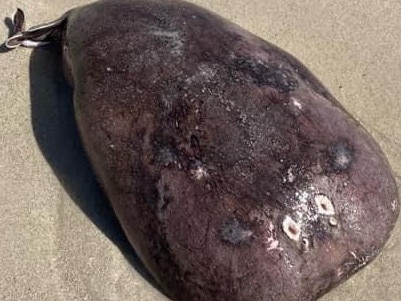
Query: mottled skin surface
234, 173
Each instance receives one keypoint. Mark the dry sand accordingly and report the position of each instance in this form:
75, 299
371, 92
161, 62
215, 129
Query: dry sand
58, 240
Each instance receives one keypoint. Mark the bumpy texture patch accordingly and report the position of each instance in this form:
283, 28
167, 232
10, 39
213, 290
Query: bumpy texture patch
234, 173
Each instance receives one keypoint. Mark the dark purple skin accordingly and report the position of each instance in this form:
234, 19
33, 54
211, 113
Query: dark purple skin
233, 172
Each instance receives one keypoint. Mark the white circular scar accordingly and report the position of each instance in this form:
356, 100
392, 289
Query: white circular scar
291, 228
324, 205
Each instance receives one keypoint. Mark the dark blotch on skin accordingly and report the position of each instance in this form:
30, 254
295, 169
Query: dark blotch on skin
195, 142
235, 232
341, 155
165, 155
194, 164
263, 74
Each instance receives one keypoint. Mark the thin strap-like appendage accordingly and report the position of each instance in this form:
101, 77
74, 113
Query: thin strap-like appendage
35, 36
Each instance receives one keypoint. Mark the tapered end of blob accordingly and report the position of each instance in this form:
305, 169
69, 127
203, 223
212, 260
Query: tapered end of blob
18, 25
36, 36
18, 21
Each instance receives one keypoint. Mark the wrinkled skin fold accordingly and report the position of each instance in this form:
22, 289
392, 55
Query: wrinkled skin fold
233, 172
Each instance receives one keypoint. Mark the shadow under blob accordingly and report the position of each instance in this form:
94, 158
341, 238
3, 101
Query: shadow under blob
9, 23
57, 135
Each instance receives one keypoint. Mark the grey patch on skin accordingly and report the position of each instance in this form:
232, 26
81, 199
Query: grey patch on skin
174, 40
162, 203
206, 71
204, 74
341, 155
198, 170
166, 104
166, 155
235, 232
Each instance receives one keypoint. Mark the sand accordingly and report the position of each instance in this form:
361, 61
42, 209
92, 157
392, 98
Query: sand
59, 240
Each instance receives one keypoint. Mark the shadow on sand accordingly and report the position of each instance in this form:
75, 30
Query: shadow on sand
57, 136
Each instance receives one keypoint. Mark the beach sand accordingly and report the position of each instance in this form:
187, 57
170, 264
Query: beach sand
59, 240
